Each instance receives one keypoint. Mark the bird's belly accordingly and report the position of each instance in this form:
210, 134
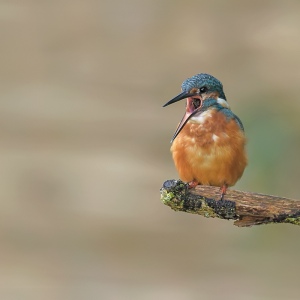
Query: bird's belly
210, 158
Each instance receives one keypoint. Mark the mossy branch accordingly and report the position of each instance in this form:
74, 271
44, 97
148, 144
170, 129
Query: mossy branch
245, 208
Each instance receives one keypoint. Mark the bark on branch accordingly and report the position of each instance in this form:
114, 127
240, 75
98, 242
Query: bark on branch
245, 208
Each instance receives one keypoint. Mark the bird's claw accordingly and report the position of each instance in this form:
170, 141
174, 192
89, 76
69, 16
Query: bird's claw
192, 184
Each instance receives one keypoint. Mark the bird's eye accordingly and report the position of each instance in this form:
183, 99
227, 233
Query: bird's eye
203, 89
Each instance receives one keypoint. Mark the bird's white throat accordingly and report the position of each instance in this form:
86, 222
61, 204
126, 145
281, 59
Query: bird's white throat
201, 117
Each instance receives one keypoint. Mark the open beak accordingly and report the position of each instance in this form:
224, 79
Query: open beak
191, 109
179, 97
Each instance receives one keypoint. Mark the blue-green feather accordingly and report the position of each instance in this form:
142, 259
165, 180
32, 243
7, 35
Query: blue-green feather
201, 80
211, 102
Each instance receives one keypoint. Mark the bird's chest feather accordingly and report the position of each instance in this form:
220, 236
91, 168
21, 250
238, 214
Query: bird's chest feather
210, 149
209, 129
208, 138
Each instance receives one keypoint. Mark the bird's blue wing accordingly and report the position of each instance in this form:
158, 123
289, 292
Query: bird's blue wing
230, 115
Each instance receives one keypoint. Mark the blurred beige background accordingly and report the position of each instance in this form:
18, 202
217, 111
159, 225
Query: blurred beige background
84, 147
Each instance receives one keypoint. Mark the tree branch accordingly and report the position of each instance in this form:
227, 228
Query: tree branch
245, 208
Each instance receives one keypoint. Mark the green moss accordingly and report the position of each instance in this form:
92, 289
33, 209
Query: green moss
295, 221
205, 210
168, 198
176, 195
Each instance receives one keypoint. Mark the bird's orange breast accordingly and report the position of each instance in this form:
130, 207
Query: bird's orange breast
210, 150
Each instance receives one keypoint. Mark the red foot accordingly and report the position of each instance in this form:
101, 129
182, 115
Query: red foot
192, 184
223, 190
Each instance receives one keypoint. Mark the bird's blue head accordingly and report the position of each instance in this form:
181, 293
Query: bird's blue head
203, 83
196, 90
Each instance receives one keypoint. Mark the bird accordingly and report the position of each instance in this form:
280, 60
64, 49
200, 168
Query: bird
209, 144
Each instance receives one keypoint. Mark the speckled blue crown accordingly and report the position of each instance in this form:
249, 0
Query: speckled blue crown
201, 80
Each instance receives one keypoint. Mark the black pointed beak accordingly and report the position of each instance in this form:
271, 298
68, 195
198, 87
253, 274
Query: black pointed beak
179, 97
190, 109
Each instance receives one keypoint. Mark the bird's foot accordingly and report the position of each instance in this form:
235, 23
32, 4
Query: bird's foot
223, 190
192, 184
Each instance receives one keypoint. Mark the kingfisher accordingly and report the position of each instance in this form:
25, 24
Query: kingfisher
208, 146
